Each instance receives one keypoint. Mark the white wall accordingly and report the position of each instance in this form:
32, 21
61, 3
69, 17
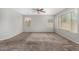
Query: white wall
69, 35
10, 23
39, 24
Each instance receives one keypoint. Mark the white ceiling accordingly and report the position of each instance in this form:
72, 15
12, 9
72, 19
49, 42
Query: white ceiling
29, 11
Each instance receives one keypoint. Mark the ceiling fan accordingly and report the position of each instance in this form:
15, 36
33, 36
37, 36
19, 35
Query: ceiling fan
39, 10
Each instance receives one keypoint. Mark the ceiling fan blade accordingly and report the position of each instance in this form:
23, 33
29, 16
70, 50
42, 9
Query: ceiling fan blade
43, 11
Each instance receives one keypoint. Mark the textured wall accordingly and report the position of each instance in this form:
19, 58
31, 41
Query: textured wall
39, 23
10, 23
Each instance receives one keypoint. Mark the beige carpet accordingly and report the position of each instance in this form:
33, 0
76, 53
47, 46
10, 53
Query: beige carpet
38, 42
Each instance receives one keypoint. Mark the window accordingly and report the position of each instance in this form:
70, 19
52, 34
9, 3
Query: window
50, 23
68, 21
74, 22
59, 22
27, 21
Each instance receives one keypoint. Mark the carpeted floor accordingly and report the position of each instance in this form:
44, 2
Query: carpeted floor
38, 42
